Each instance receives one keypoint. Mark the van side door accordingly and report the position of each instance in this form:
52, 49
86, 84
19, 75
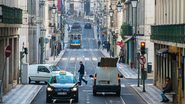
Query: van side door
44, 73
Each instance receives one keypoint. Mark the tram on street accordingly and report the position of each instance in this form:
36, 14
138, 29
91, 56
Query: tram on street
75, 40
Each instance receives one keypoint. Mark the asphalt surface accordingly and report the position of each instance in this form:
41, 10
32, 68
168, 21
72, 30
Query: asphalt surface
90, 56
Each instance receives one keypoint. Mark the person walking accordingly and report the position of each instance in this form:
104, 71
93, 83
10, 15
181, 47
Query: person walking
122, 55
81, 73
108, 46
166, 89
99, 43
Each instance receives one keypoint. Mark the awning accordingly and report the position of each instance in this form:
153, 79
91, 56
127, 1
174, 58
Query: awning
162, 50
127, 39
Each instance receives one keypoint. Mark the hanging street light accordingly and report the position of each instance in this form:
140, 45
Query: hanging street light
119, 6
134, 3
53, 9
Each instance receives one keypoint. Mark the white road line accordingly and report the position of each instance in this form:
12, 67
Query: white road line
72, 58
123, 102
87, 58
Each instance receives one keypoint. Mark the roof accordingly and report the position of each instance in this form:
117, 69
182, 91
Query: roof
108, 62
62, 72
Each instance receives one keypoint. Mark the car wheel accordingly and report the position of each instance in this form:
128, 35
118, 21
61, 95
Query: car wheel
76, 99
118, 93
48, 100
37, 82
29, 80
46, 82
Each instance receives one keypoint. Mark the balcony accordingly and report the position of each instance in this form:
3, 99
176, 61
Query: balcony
169, 33
10, 15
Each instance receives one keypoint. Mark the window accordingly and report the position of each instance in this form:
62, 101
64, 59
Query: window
42, 69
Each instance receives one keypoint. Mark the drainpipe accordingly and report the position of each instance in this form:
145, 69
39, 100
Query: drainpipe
179, 75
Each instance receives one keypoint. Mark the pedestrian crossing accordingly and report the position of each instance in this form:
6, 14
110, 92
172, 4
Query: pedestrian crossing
82, 50
79, 59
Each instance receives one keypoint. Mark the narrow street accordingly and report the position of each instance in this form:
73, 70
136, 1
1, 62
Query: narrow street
90, 55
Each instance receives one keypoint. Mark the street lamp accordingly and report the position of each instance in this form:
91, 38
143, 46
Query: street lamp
134, 3
53, 9
119, 6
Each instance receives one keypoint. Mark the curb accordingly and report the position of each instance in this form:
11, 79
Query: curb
57, 59
139, 94
35, 93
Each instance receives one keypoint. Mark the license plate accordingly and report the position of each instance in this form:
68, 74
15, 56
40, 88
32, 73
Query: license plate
62, 93
104, 82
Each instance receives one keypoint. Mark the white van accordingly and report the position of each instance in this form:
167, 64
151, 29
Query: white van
107, 77
40, 72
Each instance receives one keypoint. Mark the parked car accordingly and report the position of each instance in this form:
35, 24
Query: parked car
41, 72
62, 86
107, 77
87, 26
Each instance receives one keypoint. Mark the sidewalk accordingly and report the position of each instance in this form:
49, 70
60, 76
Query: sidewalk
152, 94
126, 70
21, 94
54, 60
24, 94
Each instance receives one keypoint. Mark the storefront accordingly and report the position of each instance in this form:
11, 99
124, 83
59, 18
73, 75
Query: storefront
167, 61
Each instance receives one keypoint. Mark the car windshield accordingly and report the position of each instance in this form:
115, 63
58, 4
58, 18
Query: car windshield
62, 79
55, 68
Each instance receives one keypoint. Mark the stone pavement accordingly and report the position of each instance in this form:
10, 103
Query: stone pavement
21, 94
152, 94
55, 59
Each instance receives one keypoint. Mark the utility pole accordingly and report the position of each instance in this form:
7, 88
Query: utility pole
38, 30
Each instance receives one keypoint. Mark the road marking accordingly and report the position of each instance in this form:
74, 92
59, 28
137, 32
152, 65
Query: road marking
112, 101
123, 102
87, 58
87, 90
64, 58
72, 58
123, 85
94, 58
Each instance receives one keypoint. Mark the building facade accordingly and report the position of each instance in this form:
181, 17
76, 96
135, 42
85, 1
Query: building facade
140, 18
10, 22
169, 43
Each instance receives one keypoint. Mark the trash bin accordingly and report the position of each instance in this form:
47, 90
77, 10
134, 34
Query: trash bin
149, 67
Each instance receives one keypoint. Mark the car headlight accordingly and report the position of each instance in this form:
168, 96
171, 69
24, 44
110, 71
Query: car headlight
49, 89
74, 89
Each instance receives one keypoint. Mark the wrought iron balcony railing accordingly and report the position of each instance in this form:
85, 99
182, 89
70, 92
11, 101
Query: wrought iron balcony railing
10, 15
170, 33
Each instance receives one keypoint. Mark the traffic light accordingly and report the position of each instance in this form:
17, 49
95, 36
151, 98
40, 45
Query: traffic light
26, 50
142, 48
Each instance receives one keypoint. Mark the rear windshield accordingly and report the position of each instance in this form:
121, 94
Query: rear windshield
62, 79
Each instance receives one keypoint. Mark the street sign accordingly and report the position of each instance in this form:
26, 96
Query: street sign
8, 51
142, 59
